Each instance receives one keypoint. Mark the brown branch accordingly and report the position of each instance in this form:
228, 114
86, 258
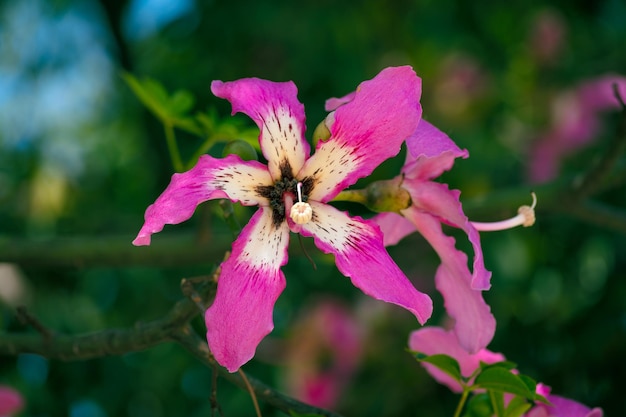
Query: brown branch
26, 318
173, 327
105, 342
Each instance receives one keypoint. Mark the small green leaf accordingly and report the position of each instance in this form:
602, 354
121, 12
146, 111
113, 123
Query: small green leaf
171, 110
504, 364
540, 398
530, 383
479, 406
502, 380
517, 407
445, 363
181, 102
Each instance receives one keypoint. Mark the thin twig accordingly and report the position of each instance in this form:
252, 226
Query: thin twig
26, 318
251, 391
198, 347
213, 398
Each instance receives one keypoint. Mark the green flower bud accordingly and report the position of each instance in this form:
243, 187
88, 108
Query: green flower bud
241, 148
381, 196
321, 133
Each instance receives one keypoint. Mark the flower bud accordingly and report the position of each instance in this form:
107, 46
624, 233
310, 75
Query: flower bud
321, 133
387, 195
241, 148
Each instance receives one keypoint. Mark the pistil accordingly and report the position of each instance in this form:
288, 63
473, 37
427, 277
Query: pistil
301, 212
525, 217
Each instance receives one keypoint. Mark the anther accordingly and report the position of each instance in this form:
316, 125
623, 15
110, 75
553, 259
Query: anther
301, 212
525, 217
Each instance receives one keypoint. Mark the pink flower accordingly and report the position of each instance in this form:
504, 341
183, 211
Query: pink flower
323, 354
575, 120
292, 192
547, 37
11, 401
430, 153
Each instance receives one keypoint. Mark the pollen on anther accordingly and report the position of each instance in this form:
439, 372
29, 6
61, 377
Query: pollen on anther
301, 213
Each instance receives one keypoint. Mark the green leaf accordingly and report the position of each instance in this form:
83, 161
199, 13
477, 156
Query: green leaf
445, 363
502, 380
517, 407
540, 398
479, 406
170, 110
530, 383
504, 364
497, 400
181, 102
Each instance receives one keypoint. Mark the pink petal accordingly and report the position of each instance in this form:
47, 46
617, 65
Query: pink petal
394, 227
211, 178
249, 285
334, 103
474, 324
11, 401
563, 407
366, 131
438, 200
360, 255
434, 148
275, 109
435, 340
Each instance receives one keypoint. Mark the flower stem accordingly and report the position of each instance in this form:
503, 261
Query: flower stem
173, 147
459, 407
356, 196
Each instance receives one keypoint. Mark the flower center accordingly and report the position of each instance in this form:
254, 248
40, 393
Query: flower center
301, 212
287, 188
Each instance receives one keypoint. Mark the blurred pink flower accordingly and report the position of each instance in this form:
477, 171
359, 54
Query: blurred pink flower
460, 82
324, 352
11, 401
547, 36
575, 121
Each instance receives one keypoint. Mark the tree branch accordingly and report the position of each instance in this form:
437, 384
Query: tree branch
105, 342
173, 327
110, 250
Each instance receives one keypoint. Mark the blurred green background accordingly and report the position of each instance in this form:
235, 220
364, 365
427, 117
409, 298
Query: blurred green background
81, 158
